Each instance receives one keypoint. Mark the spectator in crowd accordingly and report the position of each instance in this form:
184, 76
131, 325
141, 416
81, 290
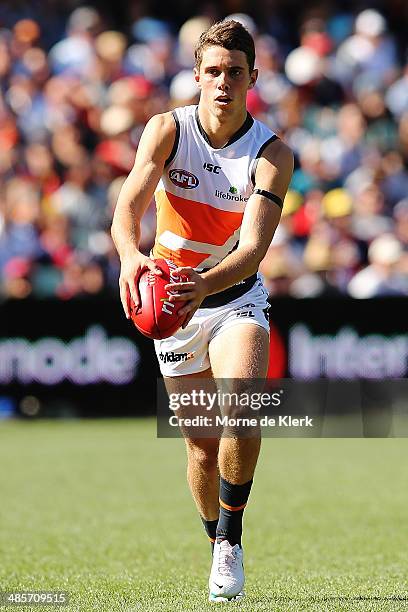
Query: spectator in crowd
383, 276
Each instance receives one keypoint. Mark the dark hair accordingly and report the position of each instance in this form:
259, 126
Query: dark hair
230, 35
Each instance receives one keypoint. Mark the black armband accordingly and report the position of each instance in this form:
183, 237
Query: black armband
270, 196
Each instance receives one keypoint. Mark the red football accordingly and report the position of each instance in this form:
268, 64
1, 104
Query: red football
158, 318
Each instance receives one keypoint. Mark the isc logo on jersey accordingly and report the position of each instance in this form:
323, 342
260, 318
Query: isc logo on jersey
183, 179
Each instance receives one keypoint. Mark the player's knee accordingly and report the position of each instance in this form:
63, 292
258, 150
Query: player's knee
203, 452
241, 410
240, 424
241, 398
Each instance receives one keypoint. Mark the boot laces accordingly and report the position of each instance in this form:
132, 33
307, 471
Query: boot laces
227, 561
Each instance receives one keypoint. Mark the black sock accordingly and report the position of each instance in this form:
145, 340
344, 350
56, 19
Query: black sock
211, 529
233, 499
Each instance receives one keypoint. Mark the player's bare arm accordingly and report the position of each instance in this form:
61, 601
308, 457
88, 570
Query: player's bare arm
154, 149
261, 218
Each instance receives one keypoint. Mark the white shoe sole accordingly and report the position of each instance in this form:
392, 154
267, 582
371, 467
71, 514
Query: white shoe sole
220, 599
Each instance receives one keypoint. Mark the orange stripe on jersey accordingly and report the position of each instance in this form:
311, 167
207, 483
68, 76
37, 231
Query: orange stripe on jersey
194, 220
181, 257
187, 229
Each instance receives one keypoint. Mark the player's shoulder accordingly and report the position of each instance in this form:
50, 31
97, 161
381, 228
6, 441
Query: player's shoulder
168, 124
162, 123
275, 155
278, 153
271, 147
159, 135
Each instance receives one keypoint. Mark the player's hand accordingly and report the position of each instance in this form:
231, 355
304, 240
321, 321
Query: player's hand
194, 290
132, 265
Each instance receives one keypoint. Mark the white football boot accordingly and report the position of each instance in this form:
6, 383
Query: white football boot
226, 582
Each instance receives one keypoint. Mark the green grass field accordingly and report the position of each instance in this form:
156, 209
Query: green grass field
101, 509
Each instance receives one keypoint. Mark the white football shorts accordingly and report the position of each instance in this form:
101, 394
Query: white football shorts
187, 351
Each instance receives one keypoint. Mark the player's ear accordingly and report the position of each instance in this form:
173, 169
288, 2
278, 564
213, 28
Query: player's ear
197, 76
253, 78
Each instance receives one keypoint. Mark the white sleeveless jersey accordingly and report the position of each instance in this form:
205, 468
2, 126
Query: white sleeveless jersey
203, 191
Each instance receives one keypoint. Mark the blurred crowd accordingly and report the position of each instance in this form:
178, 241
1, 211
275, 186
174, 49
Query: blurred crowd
73, 106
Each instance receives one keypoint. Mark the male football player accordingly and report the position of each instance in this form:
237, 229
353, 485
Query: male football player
219, 178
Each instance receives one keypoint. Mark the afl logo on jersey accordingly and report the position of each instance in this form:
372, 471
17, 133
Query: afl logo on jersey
183, 179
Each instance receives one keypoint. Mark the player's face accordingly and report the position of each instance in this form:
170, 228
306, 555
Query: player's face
224, 79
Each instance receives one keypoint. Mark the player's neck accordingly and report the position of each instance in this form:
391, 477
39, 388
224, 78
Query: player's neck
220, 129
